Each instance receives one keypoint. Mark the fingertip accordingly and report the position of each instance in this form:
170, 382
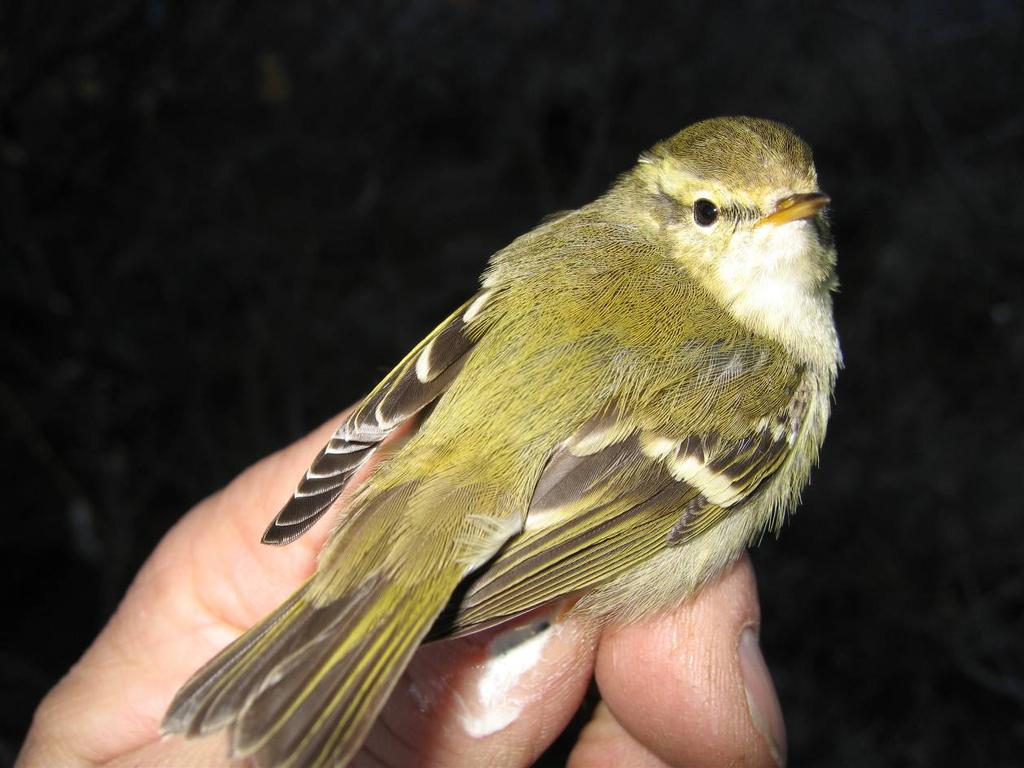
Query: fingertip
231, 572
677, 684
604, 743
762, 701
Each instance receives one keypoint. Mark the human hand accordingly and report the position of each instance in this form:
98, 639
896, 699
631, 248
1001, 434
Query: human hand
687, 688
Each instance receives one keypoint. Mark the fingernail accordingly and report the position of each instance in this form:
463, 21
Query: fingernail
762, 702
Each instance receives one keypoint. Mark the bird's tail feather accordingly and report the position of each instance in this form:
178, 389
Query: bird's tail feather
303, 687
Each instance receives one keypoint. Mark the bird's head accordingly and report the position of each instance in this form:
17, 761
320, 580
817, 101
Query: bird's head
737, 199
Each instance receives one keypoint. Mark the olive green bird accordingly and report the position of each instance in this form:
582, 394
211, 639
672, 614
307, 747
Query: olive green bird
637, 392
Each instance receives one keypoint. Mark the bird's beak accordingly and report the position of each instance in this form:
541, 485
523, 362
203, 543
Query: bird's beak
795, 207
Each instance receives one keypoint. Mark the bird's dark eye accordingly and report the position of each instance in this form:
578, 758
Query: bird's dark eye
705, 213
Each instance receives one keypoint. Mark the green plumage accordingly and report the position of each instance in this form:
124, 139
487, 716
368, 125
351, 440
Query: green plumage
632, 398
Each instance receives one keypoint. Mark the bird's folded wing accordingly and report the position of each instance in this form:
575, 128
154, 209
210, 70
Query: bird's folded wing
612, 496
422, 376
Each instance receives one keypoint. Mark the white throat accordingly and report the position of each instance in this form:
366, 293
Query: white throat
769, 280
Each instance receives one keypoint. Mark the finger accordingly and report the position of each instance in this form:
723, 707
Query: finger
219, 541
604, 743
691, 686
498, 698
206, 582
177, 753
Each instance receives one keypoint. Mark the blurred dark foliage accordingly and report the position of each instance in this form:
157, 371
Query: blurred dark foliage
220, 224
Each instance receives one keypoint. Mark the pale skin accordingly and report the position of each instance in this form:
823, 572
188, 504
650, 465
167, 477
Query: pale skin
686, 688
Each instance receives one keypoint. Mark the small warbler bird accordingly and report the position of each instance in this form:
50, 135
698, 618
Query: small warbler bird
637, 392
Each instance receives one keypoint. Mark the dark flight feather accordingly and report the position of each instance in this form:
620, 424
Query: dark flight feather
414, 384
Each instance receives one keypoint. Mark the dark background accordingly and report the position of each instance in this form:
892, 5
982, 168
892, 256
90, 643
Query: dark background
220, 225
